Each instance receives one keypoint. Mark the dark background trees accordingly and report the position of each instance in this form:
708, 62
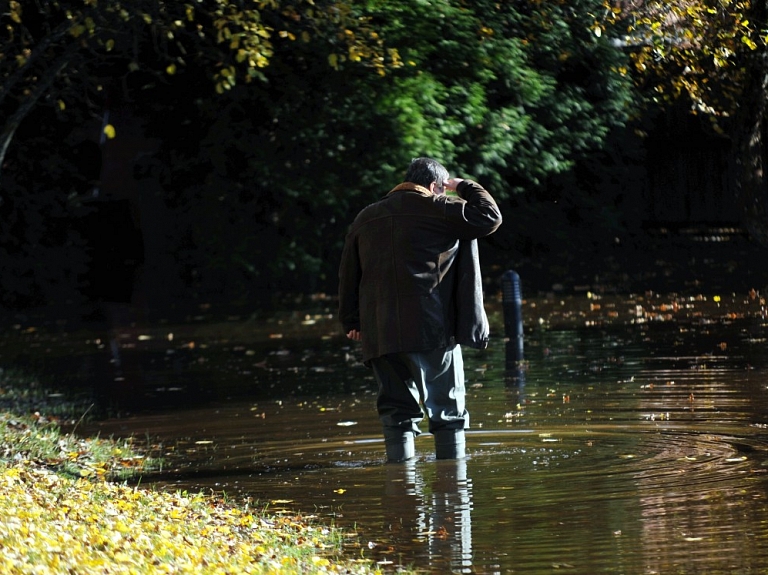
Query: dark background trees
709, 59
216, 152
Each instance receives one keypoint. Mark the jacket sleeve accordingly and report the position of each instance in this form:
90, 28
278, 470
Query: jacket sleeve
475, 217
471, 320
349, 286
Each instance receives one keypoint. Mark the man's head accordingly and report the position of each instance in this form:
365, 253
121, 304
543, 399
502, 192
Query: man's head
425, 172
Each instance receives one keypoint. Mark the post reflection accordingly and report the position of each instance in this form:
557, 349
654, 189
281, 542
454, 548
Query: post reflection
427, 509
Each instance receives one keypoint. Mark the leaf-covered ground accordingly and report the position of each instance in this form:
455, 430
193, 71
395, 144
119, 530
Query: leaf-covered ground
55, 524
61, 513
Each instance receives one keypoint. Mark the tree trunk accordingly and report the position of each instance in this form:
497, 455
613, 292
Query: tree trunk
751, 190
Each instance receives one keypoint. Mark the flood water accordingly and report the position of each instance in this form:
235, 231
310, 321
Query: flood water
633, 438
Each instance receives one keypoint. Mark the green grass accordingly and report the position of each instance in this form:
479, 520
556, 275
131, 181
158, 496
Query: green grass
30, 431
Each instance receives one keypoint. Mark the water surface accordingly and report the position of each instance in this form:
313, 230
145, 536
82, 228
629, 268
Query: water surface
632, 439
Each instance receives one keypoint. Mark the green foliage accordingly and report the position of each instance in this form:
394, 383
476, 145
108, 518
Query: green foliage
510, 93
259, 179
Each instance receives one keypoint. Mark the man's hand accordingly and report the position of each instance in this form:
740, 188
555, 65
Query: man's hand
452, 183
354, 334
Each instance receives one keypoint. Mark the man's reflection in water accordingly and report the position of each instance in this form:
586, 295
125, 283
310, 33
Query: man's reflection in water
431, 516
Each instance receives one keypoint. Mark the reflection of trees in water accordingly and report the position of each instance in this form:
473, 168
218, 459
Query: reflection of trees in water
436, 513
695, 513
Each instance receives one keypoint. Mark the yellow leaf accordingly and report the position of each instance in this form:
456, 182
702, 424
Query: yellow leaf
171, 69
749, 42
333, 60
109, 131
16, 12
62, 105
121, 527
110, 44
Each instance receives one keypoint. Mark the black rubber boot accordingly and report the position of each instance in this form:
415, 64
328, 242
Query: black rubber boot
400, 445
450, 444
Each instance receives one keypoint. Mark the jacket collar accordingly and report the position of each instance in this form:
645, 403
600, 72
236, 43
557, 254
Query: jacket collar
411, 187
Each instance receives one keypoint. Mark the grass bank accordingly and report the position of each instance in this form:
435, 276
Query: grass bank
66, 508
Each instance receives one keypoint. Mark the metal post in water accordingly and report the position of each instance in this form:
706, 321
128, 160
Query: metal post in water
512, 300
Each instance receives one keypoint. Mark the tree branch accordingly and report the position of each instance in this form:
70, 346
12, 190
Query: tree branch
37, 52
15, 119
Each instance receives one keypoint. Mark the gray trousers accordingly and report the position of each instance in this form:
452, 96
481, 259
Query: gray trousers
408, 380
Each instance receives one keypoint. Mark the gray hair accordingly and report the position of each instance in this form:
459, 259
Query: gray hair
424, 171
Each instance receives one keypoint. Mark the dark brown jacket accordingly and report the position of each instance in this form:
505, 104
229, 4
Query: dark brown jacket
409, 278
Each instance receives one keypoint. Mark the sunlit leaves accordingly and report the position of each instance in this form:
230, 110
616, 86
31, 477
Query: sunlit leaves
693, 49
236, 37
77, 30
15, 11
56, 525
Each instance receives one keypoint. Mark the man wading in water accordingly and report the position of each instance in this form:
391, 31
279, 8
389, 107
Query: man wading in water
410, 291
